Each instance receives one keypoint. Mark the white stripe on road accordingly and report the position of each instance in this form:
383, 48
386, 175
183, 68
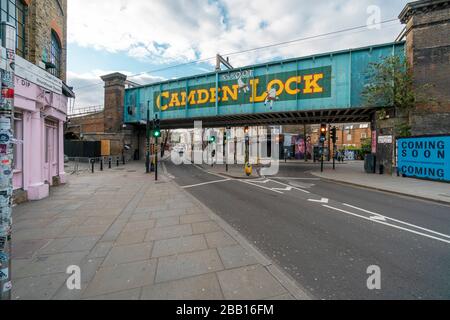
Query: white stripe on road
387, 224
292, 187
295, 178
258, 186
399, 221
204, 183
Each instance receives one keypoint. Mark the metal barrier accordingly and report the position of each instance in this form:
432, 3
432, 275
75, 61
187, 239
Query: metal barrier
77, 165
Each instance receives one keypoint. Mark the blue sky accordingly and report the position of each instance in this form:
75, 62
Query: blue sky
136, 36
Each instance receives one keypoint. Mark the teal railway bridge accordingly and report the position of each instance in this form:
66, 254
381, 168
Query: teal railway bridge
322, 88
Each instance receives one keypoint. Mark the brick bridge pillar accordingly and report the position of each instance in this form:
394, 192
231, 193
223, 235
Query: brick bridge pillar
428, 52
114, 101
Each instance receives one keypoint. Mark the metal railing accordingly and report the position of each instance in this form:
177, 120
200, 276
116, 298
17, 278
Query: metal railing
79, 112
77, 165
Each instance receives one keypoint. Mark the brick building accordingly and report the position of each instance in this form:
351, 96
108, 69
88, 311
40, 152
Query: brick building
106, 123
41, 95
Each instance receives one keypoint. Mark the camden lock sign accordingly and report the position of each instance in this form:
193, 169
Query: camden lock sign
242, 87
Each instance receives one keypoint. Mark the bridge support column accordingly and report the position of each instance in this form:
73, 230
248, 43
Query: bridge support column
427, 50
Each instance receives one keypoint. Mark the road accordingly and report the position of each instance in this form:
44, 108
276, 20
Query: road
326, 235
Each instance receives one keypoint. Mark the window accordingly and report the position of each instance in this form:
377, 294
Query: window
55, 55
349, 137
15, 12
363, 135
20, 25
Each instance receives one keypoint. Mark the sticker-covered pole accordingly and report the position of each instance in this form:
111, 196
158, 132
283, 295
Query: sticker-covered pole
8, 39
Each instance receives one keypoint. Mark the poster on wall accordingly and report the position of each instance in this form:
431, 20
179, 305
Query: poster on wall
425, 157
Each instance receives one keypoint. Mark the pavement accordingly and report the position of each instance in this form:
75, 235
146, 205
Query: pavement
327, 235
134, 238
353, 173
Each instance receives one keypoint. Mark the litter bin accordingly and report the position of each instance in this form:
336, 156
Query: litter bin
369, 163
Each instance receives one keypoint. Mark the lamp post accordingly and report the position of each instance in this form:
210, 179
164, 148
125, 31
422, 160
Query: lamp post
147, 151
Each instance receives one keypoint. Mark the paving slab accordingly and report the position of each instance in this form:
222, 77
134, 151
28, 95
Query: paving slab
251, 282
23, 249
128, 253
61, 245
101, 249
204, 287
132, 294
41, 287
235, 256
166, 222
219, 239
178, 245
121, 277
46, 264
188, 265
196, 217
131, 237
205, 227
168, 232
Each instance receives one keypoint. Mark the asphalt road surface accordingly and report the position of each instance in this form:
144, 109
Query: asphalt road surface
326, 235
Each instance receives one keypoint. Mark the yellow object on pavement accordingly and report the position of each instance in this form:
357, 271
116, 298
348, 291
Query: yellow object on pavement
248, 169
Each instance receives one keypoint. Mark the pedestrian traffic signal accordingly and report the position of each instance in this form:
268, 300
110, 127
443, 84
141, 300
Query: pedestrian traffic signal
333, 135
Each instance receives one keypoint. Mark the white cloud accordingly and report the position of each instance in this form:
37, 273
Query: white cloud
176, 31
90, 91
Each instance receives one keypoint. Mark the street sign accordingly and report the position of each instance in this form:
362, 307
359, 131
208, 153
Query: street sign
424, 157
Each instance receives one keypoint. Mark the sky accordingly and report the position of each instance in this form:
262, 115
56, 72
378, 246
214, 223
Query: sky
145, 37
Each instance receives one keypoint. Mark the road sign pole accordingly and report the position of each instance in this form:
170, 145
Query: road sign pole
321, 156
147, 153
334, 157
156, 158
6, 156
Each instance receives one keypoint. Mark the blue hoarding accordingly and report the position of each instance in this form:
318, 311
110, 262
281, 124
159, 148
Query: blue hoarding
424, 157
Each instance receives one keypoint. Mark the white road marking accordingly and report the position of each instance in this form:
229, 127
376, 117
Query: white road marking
258, 186
295, 178
399, 221
377, 218
387, 224
323, 200
292, 187
204, 183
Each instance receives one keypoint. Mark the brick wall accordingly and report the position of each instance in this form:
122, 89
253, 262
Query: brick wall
43, 17
428, 51
92, 123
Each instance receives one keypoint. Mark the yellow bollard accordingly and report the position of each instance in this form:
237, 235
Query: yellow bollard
248, 169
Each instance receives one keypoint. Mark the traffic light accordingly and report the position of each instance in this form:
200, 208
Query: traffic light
333, 135
212, 139
246, 129
323, 132
156, 128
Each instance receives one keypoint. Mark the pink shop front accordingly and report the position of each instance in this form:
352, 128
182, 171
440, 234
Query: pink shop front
40, 110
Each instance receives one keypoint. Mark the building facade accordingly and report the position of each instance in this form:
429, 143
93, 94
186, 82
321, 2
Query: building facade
41, 95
